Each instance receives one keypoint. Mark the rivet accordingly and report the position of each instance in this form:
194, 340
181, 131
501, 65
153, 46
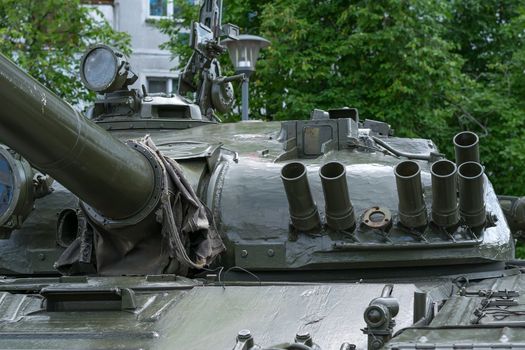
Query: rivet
244, 253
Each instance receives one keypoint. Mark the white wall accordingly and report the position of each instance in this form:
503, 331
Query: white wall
147, 60
107, 12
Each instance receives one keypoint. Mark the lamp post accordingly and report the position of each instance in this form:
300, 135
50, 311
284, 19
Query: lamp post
244, 52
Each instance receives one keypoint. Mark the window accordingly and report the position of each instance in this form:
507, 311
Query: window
161, 84
159, 8
165, 8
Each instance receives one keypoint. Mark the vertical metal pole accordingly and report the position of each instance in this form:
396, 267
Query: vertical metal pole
245, 107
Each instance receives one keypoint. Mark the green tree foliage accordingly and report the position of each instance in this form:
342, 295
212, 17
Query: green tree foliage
48, 37
429, 68
386, 58
177, 30
490, 36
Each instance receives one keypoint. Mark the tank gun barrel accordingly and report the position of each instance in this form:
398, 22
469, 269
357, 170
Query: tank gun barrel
103, 172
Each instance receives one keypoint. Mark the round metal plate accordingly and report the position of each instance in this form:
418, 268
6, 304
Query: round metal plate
377, 217
222, 96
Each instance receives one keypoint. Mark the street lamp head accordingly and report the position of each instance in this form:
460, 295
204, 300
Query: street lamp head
244, 52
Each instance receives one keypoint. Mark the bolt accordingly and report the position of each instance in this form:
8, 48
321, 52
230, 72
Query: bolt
42, 256
244, 253
376, 344
270, 252
304, 337
244, 334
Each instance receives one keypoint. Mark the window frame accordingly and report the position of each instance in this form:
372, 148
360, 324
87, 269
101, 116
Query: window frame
171, 82
169, 10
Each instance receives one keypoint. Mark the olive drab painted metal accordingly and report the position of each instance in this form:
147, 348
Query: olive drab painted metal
339, 210
466, 145
471, 194
148, 224
412, 210
444, 193
303, 210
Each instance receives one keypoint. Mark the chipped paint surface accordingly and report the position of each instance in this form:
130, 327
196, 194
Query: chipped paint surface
43, 101
332, 313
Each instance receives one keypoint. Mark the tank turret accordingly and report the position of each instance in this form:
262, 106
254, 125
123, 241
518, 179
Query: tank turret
365, 208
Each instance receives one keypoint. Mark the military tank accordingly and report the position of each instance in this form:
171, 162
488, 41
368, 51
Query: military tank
148, 224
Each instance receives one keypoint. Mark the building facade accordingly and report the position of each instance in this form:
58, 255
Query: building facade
153, 66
